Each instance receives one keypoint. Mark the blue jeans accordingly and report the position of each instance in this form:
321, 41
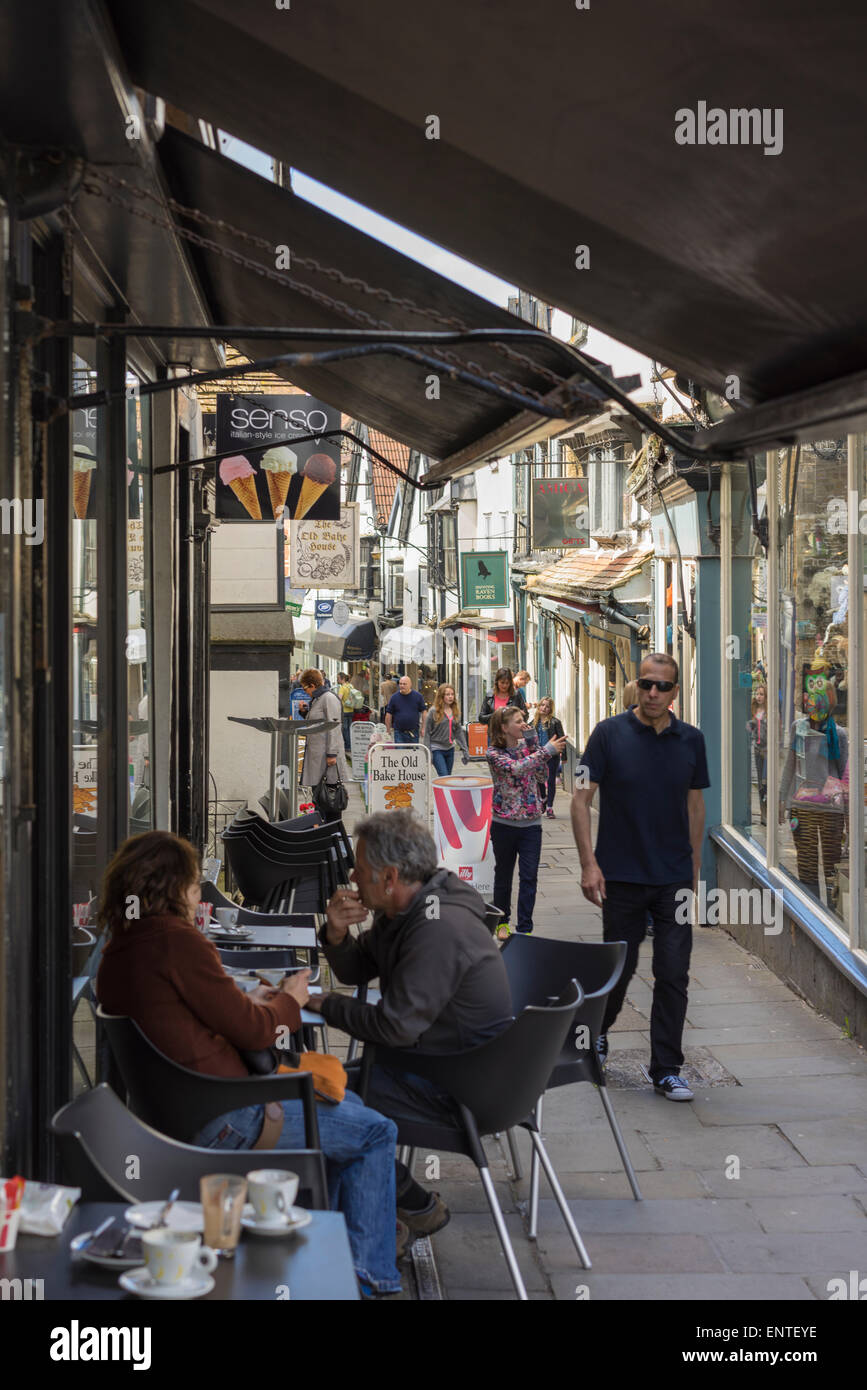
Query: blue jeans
553, 774
347, 724
358, 1144
406, 735
524, 844
443, 760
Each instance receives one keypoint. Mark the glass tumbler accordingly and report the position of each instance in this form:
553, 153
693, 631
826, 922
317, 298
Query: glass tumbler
223, 1197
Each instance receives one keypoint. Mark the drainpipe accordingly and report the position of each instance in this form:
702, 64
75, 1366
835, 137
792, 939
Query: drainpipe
611, 610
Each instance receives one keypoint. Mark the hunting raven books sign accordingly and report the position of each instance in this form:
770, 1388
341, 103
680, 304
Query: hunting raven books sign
560, 514
267, 475
485, 579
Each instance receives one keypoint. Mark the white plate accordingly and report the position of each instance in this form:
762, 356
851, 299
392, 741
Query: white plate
138, 1281
183, 1216
104, 1261
298, 1218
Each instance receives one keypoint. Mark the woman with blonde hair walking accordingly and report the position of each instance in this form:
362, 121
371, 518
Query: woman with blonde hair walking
443, 731
548, 726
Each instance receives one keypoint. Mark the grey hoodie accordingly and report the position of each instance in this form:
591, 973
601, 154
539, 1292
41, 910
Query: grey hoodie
444, 985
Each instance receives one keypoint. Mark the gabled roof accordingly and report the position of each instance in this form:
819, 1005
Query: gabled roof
590, 571
384, 483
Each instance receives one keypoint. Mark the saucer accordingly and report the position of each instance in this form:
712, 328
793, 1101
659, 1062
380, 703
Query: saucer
105, 1261
183, 1216
298, 1218
139, 1282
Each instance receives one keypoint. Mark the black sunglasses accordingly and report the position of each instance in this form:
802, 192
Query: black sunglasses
662, 686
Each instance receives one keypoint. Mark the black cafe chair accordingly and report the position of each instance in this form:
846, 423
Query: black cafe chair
494, 1087
274, 840
293, 881
537, 969
96, 1135
178, 1102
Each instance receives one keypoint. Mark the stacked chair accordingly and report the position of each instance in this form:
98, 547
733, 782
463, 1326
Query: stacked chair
281, 869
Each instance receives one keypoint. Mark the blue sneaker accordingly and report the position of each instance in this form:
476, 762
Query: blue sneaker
673, 1087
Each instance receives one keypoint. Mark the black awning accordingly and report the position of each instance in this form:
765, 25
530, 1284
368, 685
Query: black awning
557, 129
389, 393
354, 642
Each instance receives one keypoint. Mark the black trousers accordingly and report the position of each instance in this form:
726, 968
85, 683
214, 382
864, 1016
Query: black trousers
624, 918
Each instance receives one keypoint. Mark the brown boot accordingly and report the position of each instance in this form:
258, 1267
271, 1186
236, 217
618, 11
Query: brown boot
429, 1220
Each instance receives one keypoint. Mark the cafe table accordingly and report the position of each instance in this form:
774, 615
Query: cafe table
313, 1266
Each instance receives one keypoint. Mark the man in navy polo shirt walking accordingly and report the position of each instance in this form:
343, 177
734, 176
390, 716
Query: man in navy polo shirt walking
403, 712
650, 769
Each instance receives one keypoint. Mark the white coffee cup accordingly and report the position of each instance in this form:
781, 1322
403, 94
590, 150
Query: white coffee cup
227, 916
171, 1256
272, 1192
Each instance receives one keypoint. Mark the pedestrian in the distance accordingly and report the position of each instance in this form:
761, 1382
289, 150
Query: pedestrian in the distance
346, 696
522, 682
519, 770
504, 693
387, 688
630, 694
324, 758
403, 712
650, 768
443, 731
547, 726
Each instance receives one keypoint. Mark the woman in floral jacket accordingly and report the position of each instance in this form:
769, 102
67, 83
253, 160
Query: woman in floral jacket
519, 769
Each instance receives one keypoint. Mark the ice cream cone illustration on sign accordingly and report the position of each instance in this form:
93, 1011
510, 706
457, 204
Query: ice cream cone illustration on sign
237, 474
278, 465
318, 474
83, 464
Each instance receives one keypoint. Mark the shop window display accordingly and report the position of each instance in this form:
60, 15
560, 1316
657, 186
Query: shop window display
814, 753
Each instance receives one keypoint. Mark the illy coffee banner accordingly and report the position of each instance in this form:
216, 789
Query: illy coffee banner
267, 475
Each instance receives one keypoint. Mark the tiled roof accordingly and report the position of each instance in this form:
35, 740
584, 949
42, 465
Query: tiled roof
385, 483
590, 571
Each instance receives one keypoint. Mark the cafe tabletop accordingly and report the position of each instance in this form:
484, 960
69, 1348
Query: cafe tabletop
286, 935
313, 1265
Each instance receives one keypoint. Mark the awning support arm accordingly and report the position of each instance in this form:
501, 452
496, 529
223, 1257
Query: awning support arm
396, 343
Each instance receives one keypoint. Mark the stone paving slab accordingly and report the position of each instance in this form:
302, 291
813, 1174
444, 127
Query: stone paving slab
674, 1184
806, 1097
699, 1216
469, 1255
809, 1212
813, 1255
709, 1147
786, 1183
845, 1141
708, 1288
791, 1058
612, 1254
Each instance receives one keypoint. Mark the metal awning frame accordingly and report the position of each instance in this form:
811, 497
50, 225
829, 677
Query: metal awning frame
780, 422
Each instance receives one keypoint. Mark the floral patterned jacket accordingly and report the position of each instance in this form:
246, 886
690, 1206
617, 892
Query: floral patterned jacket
519, 776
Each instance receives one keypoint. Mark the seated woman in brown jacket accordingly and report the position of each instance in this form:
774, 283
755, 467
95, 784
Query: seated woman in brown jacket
160, 971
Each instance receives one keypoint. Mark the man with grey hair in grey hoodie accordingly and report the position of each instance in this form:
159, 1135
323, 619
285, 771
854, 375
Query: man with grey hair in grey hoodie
443, 984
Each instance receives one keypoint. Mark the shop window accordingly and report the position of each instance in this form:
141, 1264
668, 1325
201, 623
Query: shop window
816, 686
449, 549
395, 585
747, 670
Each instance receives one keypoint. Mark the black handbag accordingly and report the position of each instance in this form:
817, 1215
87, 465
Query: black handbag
330, 798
